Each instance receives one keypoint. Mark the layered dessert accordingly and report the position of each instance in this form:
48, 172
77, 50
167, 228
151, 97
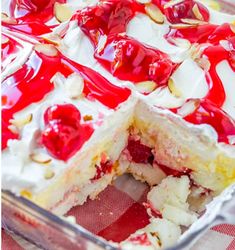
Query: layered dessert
95, 89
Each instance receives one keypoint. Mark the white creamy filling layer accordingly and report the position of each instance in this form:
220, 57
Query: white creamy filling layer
19, 171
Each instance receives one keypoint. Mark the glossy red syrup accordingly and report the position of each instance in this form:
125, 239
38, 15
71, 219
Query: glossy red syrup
197, 34
128, 59
106, 18
207, 113
104, 168
217, 54
123, 57
34, 77
10, 48
205, 33
139, 152
184, 10
64, 134
32, 28
33, 10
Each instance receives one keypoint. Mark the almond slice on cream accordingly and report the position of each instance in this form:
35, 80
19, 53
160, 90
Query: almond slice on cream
188, 107
192, 21
21, 121
173, 89
46, 49
62, 12
204, 63
146, 86
182, 25
40, 158
49, 174
172, 3
182, 43
4, 39
6, 19
197, 12
154, 13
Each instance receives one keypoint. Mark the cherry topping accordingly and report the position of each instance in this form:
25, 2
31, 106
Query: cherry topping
64, 135
65, 113
139, 152
33, 10
108, 17
35, 77
186, 10
102, 169
128, 59
207, 113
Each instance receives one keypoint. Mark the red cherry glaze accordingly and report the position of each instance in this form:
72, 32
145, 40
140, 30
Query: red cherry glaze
207, 113
140, 239
35, 76
128, 59
184, 9
197, 34
139, 152
9, 49
108, 17
104, 168
124, 57
63, 113
205, 33
33, 10
32, 28
216, 54
64, 135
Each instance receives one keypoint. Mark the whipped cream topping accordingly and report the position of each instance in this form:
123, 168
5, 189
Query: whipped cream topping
190, 78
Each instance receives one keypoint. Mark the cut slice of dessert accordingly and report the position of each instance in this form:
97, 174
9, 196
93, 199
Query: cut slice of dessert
184, 119
64, 127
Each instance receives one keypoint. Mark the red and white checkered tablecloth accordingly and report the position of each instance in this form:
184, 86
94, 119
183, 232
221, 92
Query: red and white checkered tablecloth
118, 212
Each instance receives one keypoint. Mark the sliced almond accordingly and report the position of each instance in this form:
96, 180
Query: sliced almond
204, 63
62, 12
74, 86
146, 86
172, 3
101, 44
195, 52
173, 89
232, 27
182, 26
46, 49
13, 129
55, 39
6, 19
154, 13
197, 12
21, 121
188, 107
4, 39
49, 173
192, 21
183, 43
87, 118
40, 158
144, 1
25, 193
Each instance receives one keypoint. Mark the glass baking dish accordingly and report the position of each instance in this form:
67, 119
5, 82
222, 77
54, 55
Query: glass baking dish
49, 231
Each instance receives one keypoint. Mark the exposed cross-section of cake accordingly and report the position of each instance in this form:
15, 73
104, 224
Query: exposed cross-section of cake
95, 89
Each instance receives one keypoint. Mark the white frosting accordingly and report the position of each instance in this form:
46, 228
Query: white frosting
227, 76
